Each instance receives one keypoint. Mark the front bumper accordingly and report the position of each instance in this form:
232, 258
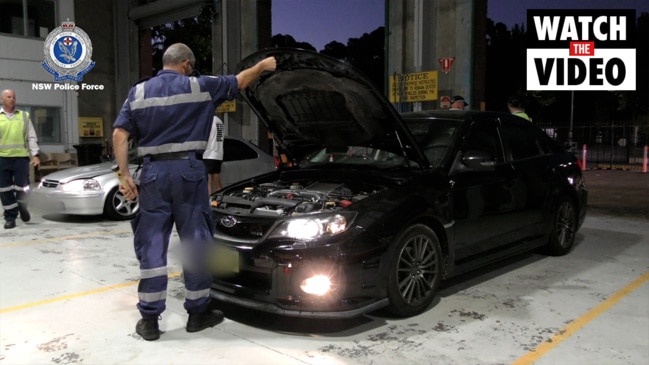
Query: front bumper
274, 309
81, 203
270, 281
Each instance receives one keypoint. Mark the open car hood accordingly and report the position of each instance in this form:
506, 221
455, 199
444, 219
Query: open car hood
314, 101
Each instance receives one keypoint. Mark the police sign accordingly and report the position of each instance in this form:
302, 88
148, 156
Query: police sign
67, 50
581, 50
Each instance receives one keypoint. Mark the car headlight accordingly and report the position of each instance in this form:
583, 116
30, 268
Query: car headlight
81, 185
309, 227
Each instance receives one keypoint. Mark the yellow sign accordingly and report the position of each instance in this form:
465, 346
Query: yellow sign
91, 127
418, 86
229, 106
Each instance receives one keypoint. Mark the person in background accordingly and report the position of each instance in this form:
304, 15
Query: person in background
18, 141
458, 103
170, 115
213, 156
516, 107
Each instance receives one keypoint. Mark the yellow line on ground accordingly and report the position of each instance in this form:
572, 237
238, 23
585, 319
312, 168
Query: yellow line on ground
64, 238
77, 295
580, 322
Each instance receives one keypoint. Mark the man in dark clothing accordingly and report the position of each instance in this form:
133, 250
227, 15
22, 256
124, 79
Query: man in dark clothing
170, 116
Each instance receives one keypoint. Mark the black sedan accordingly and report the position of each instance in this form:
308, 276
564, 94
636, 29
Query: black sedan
377, 207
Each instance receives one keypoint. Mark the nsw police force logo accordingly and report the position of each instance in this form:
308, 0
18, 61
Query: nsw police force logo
67, 52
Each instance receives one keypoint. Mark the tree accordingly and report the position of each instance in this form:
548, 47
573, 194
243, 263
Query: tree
287, 41
336, 50
195, 32
365, 53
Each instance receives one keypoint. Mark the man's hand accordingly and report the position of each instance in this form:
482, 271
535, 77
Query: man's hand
268, 64
126, 184
36, 161
120, 145
250, 75
128, 188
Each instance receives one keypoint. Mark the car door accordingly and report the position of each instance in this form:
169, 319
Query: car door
483, 203
530, 151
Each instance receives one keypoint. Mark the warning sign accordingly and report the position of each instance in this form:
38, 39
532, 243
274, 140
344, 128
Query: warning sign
91, 127
418, 86
228, 106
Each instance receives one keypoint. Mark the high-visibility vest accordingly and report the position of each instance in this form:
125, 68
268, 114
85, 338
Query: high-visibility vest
523, 115
14, 140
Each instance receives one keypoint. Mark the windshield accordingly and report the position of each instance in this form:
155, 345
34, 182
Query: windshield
355, 155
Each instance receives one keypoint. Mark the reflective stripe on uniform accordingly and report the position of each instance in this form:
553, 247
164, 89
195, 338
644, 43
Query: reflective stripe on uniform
10, 206
10, 146
14, 187
197, 294
172, 147
196, 96
152, 297
152, 273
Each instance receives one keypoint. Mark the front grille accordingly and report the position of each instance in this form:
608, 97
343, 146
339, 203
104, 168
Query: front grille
247, 228
50, 184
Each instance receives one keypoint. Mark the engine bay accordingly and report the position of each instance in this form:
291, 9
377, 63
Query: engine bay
281, 198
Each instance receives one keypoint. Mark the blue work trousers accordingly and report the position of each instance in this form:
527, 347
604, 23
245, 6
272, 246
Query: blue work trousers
14, 185
173, 191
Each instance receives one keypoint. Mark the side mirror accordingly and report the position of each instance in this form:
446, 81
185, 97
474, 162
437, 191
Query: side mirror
478, 159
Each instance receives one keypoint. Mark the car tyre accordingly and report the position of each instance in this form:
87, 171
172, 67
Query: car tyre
415, 271
564, 227
117, 207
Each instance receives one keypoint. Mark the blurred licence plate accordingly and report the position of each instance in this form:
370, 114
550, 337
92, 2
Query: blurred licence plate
224, 260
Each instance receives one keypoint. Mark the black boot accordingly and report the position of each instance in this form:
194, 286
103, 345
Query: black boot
148, 329
24, 213
200, 321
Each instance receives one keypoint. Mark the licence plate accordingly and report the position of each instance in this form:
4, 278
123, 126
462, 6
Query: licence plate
224, 261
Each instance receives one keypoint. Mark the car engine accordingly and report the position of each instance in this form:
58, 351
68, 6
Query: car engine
283, 199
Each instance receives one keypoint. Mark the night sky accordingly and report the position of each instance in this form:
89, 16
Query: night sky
319, 22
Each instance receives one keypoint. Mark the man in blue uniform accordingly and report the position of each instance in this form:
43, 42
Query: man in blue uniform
170, 116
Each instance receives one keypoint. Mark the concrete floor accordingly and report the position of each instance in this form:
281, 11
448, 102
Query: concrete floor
68, 295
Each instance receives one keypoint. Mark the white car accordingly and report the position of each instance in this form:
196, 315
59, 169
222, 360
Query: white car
94, 189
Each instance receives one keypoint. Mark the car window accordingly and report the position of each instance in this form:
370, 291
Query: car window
433, 135
355, 155
524, 140
483, 138
236, 150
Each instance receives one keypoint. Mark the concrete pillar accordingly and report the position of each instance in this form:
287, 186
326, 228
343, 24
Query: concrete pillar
421, 32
